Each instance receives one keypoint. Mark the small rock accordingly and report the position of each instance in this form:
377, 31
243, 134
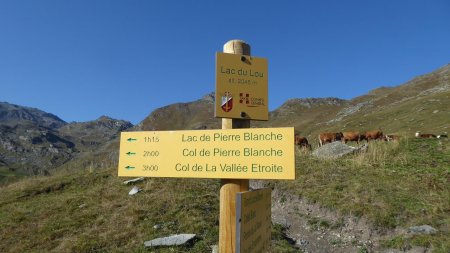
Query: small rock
303, 242
82, 206
134, 190
173, 240
157, 226
423, 229
215, 249
134, 180
435, 111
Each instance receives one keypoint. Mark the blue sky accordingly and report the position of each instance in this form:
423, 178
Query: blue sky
83, 59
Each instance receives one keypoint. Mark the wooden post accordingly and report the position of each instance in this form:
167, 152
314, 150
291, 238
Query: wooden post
229, 187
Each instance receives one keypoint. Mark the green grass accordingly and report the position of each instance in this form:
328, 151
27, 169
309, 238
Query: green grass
439, 243
8, 176
91, 211
393, 184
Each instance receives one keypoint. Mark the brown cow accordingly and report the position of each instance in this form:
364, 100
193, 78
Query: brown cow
329, 137
302, 142
374, 135
419, 135
352, 136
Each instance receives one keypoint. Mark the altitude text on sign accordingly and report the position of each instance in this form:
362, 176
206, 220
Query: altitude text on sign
254, 153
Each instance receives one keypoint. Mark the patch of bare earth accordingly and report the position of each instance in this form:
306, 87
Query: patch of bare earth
315, 229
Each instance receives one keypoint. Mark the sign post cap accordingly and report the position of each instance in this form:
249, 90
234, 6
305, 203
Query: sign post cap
236, 47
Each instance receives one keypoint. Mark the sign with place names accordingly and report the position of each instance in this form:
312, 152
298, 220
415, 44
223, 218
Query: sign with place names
252, 153
241, 87
253, 221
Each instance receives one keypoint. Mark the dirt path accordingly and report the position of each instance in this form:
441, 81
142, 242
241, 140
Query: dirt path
318, 230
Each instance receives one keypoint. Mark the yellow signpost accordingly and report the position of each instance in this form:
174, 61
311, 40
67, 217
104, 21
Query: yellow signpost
241, 87
233, 155
253, 221
253, 153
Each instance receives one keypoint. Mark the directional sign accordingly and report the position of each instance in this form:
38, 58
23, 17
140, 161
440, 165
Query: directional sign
254, 153
253, 221
241, 87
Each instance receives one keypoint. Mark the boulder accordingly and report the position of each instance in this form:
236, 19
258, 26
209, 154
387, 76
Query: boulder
173, 240
337, 149
423, 229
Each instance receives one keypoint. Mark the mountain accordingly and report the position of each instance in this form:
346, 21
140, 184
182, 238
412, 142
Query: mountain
34, 142
11, 114
421, 104
198, 114
92, 134
304, 113
368, 202
30, 149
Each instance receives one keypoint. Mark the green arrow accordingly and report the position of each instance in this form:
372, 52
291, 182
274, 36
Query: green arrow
130, 153
129, 167
131, 139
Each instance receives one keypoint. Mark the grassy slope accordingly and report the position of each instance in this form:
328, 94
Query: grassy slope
393, 185
91, 211
427, 114
7, 175
404, 109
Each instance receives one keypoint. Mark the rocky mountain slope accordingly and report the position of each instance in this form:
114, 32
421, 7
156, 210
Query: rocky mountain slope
11, 114
90, 135
34, 142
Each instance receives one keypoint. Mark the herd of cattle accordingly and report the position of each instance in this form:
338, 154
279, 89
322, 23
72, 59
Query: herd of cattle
357, 137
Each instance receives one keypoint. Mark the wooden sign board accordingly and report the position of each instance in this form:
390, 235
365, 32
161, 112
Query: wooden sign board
253, 153
253, 221
241, 87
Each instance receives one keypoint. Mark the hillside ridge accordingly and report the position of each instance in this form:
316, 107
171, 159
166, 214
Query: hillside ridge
421, 104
